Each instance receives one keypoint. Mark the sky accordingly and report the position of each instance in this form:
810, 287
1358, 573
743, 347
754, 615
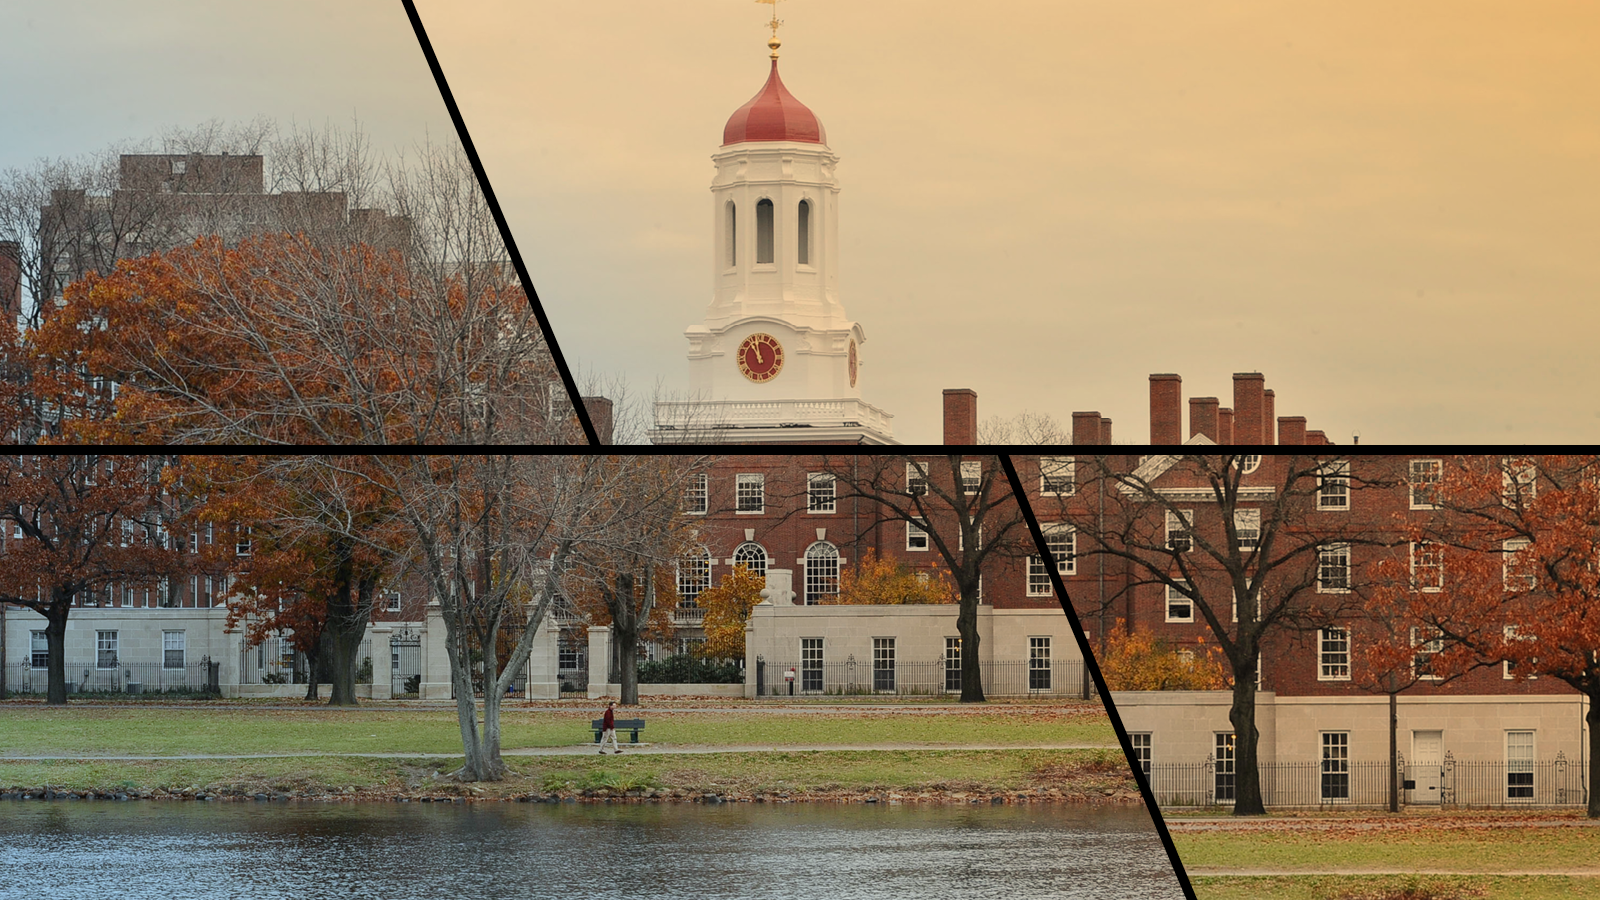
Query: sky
1391, 210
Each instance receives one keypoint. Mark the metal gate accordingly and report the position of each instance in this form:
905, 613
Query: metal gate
405, 662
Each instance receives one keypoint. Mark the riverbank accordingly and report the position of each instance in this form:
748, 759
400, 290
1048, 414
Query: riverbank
775, 776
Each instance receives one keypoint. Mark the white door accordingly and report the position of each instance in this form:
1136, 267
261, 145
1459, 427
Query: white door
1427, 765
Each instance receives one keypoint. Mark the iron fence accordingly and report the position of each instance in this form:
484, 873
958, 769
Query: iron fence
912, 678
273, 661
87, 677
1332, 784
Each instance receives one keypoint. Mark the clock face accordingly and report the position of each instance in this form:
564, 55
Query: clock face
760, 357
852, 362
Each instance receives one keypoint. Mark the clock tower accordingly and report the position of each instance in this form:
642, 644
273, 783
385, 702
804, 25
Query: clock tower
775, 358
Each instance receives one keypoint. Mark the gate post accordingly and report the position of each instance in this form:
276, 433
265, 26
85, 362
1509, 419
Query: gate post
1447, 791
761, 676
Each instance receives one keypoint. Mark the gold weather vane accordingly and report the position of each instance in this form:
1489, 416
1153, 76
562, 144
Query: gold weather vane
774, 43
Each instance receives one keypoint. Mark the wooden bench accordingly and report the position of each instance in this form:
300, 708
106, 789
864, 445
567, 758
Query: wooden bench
632, 726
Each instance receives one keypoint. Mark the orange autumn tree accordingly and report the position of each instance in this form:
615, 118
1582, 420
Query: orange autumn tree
280, 339
1141, 661
727, 605
1504, 570
875, 581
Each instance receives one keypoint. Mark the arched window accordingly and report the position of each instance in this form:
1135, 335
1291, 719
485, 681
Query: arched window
822, 572
805, 233
764, 231
733, 235
694, 576
752, 556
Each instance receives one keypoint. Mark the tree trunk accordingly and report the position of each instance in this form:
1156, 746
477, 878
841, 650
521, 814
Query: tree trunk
1593, 718
1394, 754
625, 640
967, 627
55, 631
1247, 799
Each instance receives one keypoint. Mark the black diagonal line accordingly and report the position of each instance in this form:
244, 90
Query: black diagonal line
1094, 672
500, 221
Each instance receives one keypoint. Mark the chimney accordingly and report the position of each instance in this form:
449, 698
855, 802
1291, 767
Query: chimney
1317, 438
1105, 431
1166, 409
1225, 426
960, 416
1292, 430
1248, 405
599, 409
1269, 417
1086, 428
1203, 417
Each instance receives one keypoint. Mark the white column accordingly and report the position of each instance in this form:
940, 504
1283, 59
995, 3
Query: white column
435, 658
382, 661
544, 677
600, 663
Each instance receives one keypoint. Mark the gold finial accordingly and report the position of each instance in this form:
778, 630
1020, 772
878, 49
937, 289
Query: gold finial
773, 43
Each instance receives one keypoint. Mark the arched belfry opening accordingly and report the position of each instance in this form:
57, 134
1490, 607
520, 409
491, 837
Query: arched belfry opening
803, 229
764, 231
733, 235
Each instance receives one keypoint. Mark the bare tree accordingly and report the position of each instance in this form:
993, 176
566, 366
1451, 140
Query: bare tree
965, 510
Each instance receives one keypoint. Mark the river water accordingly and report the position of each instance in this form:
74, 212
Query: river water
177, 851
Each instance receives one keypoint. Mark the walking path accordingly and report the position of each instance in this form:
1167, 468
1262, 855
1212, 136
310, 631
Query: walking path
1196, 871
641, 749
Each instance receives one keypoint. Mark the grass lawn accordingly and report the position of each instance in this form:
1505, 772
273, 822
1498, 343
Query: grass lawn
943, 771
136, 730
1470, 887
1422, 844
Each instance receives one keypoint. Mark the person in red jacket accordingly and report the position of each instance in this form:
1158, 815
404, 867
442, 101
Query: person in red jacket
608, 729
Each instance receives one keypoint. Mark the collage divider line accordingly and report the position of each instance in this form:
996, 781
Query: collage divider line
1093, 667
500, 221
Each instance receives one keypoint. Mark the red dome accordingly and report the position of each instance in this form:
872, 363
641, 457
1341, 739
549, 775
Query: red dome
773, 115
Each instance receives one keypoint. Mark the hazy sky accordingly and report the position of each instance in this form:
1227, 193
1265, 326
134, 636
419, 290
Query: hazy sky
1392, 210
85, 74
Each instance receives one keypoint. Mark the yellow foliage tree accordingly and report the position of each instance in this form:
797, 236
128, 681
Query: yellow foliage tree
1143, 662
875, 581
727, 607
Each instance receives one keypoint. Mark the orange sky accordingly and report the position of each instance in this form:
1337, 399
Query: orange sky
1390, 209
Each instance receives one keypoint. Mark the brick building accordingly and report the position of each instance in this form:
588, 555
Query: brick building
1319, 703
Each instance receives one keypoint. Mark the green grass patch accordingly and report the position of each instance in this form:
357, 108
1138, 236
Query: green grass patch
1395, 887
1427, 845
132, 730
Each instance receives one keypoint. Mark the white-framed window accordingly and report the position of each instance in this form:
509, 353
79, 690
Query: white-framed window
1424, 482
1518, 569
1333, 485
811, 664
1180, 606
694, 576
1519, 765
1038, 578
1425, 642
40, 649
391, 601
1333, 569
971, 475
1335, 766
697, 495
1140, 741
822, 572
1519, 478
952, 663
1226, 760
821, 493
750, 493
1508, 669
1247, 463
241, 546
180, 166
916, 536
1427, 566
1057, 476
1179, 538
1247, 525
883, 664
752, 556
1039, 663
105, 649
916, 479
172, 649
1062, 541
1333, 654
